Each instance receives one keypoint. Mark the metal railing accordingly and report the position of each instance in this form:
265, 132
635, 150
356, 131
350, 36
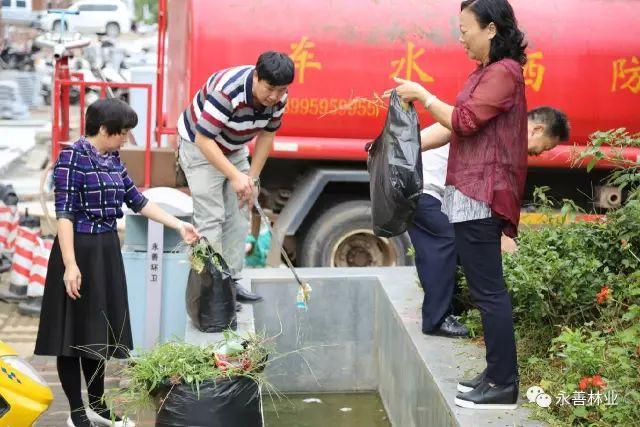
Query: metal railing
61, 104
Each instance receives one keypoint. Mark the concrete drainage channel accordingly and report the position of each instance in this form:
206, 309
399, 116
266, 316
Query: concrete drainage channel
362, 334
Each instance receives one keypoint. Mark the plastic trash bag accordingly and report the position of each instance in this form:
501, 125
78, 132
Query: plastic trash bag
210, 296
227, 402
395, 167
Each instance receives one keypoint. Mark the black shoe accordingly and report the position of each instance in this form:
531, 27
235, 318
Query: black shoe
238, 307
450, 327
246, 297
465, 386
487, 396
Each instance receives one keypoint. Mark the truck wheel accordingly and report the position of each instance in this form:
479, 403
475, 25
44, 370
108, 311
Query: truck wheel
113, 30
342, 237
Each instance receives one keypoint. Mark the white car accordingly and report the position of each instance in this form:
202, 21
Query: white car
110, 17
18, 12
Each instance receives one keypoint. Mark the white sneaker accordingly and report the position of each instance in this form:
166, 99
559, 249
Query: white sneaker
94, 417
70, 422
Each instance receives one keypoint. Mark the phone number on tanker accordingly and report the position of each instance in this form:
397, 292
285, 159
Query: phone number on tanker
332, 106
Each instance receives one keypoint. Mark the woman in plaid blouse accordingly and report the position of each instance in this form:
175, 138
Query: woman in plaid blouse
85, 314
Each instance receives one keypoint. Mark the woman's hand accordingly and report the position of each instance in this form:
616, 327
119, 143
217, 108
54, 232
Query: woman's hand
409, 91
189, 233
72, 279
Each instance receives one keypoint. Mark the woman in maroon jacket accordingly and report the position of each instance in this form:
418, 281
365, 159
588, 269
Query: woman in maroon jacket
486, 173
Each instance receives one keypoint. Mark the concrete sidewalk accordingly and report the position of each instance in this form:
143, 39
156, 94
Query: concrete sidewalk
58, 412
16, 330
20, 332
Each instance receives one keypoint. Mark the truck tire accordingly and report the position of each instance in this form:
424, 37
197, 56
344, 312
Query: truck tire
112, 30
342, 237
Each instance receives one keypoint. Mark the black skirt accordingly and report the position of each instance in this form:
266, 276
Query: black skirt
97, 324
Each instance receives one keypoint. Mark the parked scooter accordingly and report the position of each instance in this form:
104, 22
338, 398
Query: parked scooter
12, 58
46, 76
108, 65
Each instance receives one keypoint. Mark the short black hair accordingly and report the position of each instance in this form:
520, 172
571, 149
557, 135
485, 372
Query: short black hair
114, 114
276, 68
509, 40
555, 121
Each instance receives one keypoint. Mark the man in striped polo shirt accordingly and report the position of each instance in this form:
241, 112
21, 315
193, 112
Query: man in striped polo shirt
234, 106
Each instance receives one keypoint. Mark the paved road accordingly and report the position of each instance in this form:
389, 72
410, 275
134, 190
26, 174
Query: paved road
20, 332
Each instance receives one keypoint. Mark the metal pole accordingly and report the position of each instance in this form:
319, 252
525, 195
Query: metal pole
162, 31
82, 105
63, 69
147, 149
55, 122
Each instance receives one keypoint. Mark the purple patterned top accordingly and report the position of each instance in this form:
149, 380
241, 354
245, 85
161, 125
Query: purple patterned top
90, 188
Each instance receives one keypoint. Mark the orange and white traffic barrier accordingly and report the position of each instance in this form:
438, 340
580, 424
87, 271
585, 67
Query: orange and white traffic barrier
26, 241
39, 267
9, 220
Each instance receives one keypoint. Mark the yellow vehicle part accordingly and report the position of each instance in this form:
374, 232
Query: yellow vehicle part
24, 395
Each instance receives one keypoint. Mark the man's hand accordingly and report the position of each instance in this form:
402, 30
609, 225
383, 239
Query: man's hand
434, 136
242, 184
508, 245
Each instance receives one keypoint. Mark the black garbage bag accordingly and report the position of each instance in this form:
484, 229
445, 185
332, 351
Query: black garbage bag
395, 167
210, 296
228, 402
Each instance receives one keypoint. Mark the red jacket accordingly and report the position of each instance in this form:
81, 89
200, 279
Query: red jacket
488, 154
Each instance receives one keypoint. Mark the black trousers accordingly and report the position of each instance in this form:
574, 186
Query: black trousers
433, 239
478, 245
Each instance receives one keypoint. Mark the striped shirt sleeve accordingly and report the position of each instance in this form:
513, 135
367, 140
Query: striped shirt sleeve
132, 196
276, 120
67, 181
216, 112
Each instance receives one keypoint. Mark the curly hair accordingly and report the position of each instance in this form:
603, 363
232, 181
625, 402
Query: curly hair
509, 41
